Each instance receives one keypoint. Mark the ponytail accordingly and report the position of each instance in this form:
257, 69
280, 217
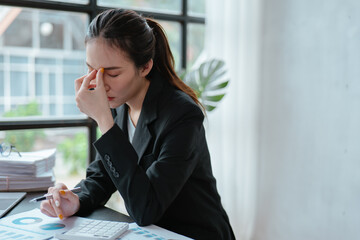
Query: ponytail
164, 60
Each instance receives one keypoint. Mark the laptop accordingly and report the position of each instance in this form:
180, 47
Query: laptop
8, 200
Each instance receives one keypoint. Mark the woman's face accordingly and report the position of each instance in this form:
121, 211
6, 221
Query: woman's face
122, 80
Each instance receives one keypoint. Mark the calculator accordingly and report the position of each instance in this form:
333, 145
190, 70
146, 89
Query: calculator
92, 229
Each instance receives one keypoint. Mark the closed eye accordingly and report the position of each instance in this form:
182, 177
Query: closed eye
113, 75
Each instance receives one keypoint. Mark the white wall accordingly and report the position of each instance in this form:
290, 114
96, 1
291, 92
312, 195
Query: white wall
309, 129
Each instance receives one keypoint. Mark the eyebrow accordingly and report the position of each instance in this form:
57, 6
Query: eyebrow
107, 68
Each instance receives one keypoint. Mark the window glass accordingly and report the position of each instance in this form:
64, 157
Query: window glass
38, 85
68, 87
195, 42
47, 61
19, 84
173, 34
71, 149
196, 7
1, 84
51, 35
2, 87
172, 6
68, 62
19, 28
70, 109
72, 1
42, 52
52, 109
52, 85
18, 59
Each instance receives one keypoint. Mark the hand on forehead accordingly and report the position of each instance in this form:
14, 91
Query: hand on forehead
101, 54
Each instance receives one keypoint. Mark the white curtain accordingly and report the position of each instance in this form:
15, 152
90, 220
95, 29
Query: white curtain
232, 34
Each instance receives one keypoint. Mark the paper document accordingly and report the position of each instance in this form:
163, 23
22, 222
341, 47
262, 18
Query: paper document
32, 171
33, 225
151, 232
27, 183
30, 163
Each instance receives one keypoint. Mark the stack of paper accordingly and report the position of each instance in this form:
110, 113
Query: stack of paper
30, 172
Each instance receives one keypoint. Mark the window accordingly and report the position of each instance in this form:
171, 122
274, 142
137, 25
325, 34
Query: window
42, 66
166, 6
196, 8
195, 42
42, 52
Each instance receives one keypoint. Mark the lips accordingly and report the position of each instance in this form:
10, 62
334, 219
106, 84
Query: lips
110, 99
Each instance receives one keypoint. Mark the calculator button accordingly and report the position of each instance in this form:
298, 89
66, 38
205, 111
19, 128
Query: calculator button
95, 230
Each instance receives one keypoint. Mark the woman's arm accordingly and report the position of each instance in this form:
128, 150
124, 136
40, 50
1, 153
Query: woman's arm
147, 194
96, 189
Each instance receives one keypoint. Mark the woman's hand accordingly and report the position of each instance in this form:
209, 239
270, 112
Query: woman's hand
64, 203
94, 102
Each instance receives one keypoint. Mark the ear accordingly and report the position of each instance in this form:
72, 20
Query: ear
144, 70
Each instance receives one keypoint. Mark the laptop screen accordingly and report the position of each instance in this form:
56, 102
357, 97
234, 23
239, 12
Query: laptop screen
8, 200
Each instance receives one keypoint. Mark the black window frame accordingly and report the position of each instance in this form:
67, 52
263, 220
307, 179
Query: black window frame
92, 9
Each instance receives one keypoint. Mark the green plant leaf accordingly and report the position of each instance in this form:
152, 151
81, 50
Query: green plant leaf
219, 86
215, 98
209, 108
209, 82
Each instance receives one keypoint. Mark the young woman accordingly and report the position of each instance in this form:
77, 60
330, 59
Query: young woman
153, 148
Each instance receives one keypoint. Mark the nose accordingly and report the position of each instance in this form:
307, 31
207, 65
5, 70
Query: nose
107, 88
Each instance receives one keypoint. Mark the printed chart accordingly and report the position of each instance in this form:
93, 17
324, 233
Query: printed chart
151, 232
32, 225
11, 233
138, 233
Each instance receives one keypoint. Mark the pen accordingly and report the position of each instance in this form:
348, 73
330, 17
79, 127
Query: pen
50, 196
92, 87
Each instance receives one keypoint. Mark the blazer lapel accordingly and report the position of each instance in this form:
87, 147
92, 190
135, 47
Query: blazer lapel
141, 139
121, 118
142, 135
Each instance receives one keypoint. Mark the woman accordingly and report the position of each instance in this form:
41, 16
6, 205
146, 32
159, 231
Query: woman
153, 148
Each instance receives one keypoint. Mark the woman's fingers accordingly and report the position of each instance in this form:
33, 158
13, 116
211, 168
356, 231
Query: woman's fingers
99, 77
47, 209
90, 80
71, 198
56, 203
86, 82
52, 207
78, 82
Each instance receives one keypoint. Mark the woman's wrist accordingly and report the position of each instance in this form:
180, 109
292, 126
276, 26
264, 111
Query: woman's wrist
105, 123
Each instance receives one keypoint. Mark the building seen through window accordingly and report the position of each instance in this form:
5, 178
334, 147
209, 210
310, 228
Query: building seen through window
41, 54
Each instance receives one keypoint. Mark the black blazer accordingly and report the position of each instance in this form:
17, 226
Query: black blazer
165, 175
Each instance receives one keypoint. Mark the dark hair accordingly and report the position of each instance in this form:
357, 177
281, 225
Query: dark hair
142, 39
